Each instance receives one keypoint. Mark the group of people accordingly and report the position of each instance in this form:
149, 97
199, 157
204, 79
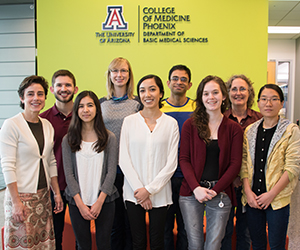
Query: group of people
115, 158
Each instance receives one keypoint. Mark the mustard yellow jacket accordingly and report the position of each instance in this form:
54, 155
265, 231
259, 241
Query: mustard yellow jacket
283, 155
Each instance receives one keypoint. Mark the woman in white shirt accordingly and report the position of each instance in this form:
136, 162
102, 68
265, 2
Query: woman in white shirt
148, 159
29, 168
90, 160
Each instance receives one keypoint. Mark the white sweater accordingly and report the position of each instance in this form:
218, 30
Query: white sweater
149, 159
20, 154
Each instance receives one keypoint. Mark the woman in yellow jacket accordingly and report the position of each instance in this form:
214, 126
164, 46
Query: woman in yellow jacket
270, 170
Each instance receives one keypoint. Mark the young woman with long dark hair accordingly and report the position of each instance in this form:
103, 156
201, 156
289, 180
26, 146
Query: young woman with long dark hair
90, 160
210, 159
148, 159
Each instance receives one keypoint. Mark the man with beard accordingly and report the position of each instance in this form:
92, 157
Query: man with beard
63, 87
180, 107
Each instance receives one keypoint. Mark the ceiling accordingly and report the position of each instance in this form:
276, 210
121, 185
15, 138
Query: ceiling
16, 1
281, 13
284, 13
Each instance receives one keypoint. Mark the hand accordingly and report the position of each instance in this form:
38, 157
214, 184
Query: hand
237, 182
18, 212
96, 208
141, 194
147, 204
86, 212
265, 199
203, 194
59, 204
252, 199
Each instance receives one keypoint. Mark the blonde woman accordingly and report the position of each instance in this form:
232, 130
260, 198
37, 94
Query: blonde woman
118, 104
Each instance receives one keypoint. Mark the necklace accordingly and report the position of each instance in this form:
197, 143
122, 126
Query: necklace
150, 121
214, 131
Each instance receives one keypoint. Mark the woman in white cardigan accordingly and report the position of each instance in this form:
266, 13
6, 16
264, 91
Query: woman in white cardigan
148, 159
29, 168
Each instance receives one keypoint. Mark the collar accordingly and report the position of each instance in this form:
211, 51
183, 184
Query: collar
187, 100
118, 99
56, 112
228, 112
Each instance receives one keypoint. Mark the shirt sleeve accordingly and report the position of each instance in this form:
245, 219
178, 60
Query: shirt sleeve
125, 161
168, 170
292, 154
69, 168
236, 151
8, 151
185, 155
244, 167
52, 159
111, 165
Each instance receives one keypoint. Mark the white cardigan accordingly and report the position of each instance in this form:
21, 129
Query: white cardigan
20, 154
149, 159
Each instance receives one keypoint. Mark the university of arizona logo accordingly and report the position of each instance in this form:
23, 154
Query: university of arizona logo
114, 19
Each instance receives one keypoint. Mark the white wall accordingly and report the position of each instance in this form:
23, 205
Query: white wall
285, 50
17, 54
297, 82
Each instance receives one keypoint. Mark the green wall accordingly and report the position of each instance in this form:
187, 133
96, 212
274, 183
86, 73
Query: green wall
236, 31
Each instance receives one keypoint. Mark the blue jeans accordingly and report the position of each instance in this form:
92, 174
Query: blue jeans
243, 241
82, 227
277, 220
175, 213
216, 220
120, 234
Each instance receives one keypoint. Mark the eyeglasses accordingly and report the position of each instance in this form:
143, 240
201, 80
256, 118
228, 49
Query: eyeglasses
182, 79
116, 71
241, 89
264, 100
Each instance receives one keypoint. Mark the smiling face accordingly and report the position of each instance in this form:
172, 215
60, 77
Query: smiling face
239, 93
179, 82
269, 103
212, 97
149, 93
87, 109
34, 98
119, 75
63, 89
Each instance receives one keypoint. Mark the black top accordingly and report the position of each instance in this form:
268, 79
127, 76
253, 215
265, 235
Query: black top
37, 131
211, 167
263, 140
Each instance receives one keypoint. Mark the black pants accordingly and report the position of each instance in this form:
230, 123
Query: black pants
157, 220
103, 223
120, 234
173, 214
59, 221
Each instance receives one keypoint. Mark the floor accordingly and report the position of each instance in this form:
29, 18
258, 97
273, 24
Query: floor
1, 213
294, 225
293, 231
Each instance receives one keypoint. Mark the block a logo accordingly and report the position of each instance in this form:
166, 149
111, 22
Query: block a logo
114, 19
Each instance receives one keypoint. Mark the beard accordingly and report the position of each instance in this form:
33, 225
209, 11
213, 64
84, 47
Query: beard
57, 97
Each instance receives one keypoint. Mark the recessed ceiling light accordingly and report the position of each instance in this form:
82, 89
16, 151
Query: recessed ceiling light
283, 30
